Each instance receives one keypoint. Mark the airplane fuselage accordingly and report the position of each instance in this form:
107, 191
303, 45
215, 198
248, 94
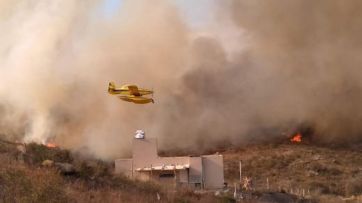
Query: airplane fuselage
128, 92
136, 99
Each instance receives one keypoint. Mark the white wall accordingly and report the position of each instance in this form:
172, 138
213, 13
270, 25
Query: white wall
213, 171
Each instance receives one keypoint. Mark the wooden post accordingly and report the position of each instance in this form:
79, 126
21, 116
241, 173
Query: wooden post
267, 183
240, 172
174, 171
235, 194
132, 169
202, 175
151, 173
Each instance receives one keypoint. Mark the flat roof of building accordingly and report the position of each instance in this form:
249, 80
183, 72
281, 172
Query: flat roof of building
164, 168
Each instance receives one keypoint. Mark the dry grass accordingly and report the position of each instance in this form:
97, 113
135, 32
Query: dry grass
325, 175
316, 170
93, 181
26, 184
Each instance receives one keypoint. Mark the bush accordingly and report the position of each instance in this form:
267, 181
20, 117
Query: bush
226, 199
354, 187
93, 169
319, 187
37, 153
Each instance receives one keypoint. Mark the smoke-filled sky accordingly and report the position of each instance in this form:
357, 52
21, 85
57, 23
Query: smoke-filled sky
196, 13
223, 71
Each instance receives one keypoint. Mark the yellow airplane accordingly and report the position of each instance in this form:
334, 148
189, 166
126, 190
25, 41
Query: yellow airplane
128, 90
131, 93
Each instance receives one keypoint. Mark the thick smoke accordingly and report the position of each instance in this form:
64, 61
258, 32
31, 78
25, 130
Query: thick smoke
299, 66
310, 53
57, 58
261, 68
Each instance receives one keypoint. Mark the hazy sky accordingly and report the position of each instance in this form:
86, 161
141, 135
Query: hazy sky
196, 13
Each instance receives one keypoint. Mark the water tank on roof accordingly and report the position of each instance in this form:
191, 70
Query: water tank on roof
140, 134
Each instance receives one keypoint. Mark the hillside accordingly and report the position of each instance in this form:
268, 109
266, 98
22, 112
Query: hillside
44, 174
328, 175
301, 173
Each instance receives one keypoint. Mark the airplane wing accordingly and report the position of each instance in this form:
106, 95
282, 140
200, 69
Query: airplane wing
134, 90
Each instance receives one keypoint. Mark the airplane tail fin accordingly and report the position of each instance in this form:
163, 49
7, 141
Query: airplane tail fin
111, 87
152, 100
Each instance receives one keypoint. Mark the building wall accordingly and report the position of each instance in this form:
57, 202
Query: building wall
144, 152
144, 175
195, 172
183, 160
213, 171
183, 176
207, 169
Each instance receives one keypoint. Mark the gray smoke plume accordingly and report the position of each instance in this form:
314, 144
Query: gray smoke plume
57, 59
261, 68
311, 52
299, 65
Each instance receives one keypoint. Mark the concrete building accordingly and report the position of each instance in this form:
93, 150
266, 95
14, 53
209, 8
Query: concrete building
205, 171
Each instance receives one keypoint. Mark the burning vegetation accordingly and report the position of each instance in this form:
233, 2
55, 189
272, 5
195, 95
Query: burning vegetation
51, 145
296, 138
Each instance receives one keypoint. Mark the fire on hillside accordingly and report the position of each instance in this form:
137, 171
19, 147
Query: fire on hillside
297, 138
51, 145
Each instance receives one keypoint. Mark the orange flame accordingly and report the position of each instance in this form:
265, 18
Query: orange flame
296, 138
51, 145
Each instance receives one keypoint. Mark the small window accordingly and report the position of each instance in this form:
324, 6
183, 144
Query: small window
198, 185
167, 175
